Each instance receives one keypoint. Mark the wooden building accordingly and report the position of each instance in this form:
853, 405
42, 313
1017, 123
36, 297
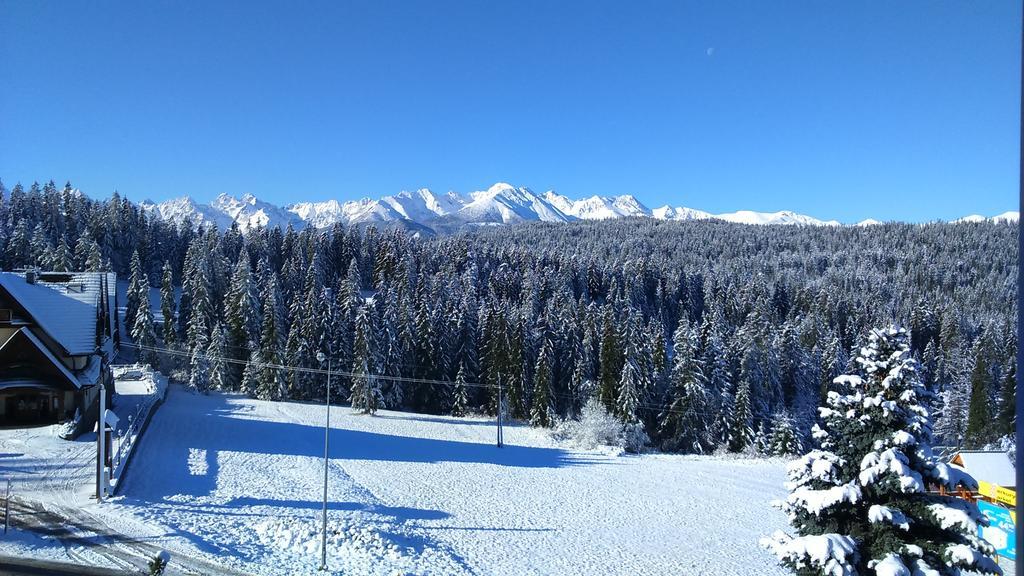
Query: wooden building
58, 333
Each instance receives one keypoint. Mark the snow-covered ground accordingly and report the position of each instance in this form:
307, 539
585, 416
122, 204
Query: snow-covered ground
239, 482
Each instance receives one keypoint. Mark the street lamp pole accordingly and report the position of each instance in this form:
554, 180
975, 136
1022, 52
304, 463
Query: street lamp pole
327, 440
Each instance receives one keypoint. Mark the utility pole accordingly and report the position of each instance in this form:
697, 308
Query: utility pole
500, 438
327, 440
101, 436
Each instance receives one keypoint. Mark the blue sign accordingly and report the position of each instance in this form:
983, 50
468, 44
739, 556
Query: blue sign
1001, 531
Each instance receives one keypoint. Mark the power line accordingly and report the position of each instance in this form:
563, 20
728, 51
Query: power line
403, 379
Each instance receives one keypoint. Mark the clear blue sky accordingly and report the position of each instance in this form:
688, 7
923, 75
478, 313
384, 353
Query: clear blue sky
894, 110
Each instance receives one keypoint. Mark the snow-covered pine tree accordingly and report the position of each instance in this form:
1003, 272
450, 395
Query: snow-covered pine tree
685, 422
199, 364
740, 430
460, 397
1007, 419
134, 287
979, 417
635, 378
610, 360
144, 334
217, 354
366, 393
541, 410
271, 384
241, 317
784, 440
861, 504
167, 305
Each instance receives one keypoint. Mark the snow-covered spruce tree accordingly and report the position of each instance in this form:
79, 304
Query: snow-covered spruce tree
685, 422
784, 440
144, 334
460, 397
167, 305
740, 429
217, 354
134, 287
861, 503
541, 411
199, 365
366, 393
979, 417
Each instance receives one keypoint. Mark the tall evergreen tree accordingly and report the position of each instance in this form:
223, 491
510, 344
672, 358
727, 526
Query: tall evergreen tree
366, 390
861, 503
686, 421
144, 334
979, 417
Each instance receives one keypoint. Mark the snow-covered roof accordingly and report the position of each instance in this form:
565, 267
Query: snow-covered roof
987, 466
63, 305
26, 333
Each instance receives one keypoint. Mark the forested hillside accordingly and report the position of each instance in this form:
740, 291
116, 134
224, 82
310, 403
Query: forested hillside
705, 333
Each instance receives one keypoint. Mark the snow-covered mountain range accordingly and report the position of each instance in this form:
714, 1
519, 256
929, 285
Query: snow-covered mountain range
424, 209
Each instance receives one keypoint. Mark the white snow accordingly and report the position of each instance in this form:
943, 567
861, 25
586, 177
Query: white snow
238, 481
833, 554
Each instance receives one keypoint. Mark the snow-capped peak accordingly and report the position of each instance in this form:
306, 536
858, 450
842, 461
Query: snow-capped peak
423, 209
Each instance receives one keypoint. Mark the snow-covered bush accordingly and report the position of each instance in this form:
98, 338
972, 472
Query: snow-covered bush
69, 428
596, 427
862, 503
634, 438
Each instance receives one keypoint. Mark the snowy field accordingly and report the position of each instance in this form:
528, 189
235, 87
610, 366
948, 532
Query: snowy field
238, 482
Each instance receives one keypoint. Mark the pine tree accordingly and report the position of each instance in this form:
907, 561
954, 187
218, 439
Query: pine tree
1007, 421
134, 287
144, 334
685, 423
366, 393
979, 418
610, 360
199, 365
168, 306
861, 504
740, 420
271, 383
242, 319
541, 411
783, 440
460, 398
217, 353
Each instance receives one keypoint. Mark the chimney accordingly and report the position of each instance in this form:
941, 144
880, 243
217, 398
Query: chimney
30, 276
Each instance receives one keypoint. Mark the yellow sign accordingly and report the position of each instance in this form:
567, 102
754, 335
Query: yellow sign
998, 493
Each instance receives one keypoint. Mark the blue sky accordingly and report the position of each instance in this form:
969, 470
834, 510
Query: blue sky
893, 110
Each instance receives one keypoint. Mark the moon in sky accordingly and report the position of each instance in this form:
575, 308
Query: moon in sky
710, 51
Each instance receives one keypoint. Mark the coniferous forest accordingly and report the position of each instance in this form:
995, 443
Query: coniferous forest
704, 334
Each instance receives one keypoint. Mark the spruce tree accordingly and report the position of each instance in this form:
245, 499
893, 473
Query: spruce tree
541, 411
783, 440
217, 354
134, 287
862, 503
979, 417
366, 393
1007, 421
740, 420
168, 306
144, 334
685, 422
460, 397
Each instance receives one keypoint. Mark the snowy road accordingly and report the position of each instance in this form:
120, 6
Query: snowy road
239, 482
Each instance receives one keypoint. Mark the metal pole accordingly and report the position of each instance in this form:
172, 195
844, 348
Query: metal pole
101, 434
500, 439
327, 439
